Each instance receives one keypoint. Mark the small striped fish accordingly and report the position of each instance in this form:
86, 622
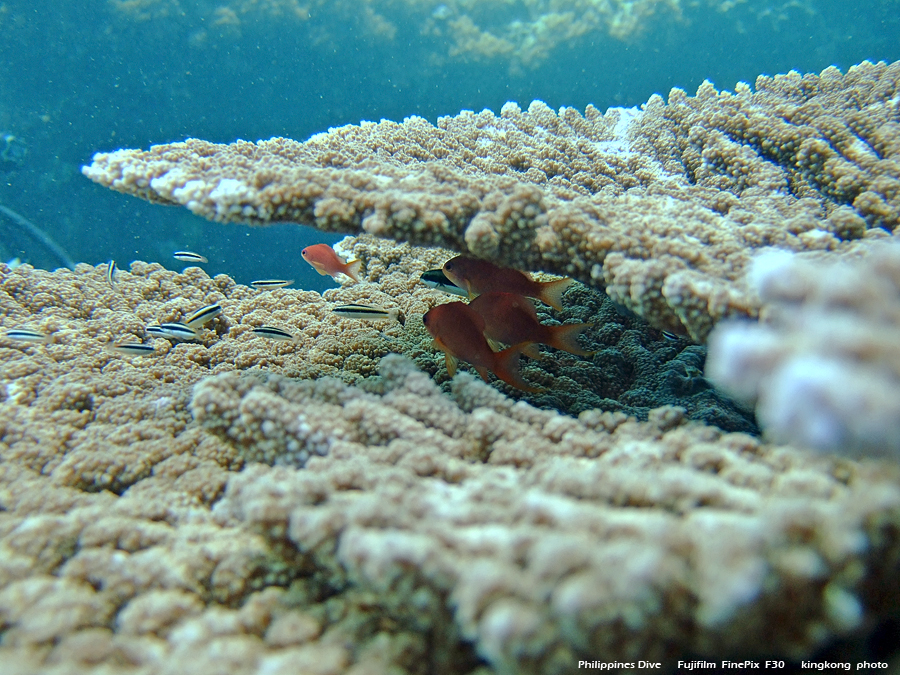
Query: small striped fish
134, 348
369, 313
269, 284
437, 280
189, 256
111, 270
203, 316
172, 331
27, 335
273, 333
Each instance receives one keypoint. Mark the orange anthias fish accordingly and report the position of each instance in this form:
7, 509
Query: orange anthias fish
511, 318
325, 261
480, 276
458, 331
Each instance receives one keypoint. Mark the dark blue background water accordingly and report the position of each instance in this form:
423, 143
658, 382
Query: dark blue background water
76, 78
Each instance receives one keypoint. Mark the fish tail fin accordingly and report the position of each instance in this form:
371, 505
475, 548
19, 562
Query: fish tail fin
351, 269
532, 351
451, 362
552, 291
565, 337
529, 349
507, 368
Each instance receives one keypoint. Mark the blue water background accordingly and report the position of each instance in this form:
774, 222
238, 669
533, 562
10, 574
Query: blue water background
96, 75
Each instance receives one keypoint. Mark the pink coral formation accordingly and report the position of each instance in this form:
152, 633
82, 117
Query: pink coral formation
662, 207
823, 366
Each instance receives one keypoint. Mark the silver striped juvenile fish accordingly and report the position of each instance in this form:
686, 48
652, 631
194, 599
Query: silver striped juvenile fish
203, 316
268, 284
273, 333
172, 331
111, 270
189, 256
437, 280
134, 348
26, 335
370, 313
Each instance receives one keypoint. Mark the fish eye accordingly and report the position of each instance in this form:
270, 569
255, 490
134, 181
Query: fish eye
303, 252
448, 265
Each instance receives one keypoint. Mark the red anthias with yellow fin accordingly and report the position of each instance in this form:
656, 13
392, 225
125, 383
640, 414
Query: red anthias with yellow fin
325, 261
477, 276
458, 331
512, 319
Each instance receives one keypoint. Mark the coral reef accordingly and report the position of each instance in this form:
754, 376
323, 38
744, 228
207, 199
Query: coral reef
240, 505
398, 529
524, 34
152, 582
823, 366
551, 539
662, 207
635, 370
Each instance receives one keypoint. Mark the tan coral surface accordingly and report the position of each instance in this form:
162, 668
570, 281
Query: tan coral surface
662, 207
110, 560
424, 533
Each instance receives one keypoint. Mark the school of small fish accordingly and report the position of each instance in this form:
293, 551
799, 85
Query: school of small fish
500, 312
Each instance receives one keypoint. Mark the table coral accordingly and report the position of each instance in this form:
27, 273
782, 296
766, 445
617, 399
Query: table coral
662, 207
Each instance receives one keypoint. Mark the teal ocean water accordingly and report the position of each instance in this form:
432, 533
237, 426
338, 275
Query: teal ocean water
77, 78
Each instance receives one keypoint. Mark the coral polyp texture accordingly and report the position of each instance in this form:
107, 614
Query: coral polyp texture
663, 207
546, 538
823, 367
323, 506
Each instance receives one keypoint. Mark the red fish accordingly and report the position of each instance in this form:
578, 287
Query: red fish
511, 318
480, 276
458, 331
325, 261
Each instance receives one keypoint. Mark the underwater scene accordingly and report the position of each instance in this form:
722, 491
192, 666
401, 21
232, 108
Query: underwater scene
466, 337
